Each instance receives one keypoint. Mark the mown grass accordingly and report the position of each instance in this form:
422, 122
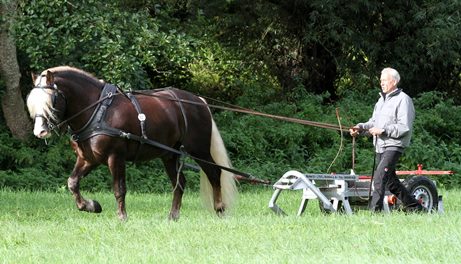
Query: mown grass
43, 227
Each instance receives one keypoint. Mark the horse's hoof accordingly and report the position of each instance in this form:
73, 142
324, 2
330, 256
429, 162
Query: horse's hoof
122, 217
173, 216
93, 206
220, 212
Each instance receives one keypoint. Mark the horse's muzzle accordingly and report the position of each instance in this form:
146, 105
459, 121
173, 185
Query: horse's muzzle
41, 129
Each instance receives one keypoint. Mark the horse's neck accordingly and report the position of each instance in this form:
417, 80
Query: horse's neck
78, 98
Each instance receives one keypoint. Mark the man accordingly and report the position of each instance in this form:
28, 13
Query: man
391, 127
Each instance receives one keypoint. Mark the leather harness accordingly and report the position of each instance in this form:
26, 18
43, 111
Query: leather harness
97, 125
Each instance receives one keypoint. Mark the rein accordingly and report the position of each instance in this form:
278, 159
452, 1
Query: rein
256, 113
232, 109
182, 153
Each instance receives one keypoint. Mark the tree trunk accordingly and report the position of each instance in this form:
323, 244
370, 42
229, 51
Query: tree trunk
16, 116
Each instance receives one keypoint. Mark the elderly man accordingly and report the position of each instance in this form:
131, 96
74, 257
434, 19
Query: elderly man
391, 126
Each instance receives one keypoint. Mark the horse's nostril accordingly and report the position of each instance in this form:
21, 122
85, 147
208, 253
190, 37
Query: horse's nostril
43, 134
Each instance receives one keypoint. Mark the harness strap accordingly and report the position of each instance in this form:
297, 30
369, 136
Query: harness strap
175, 151
142, 121
141, 116
184, 118
96, 124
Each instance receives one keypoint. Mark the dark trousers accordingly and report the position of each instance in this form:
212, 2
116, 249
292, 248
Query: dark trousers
385, 177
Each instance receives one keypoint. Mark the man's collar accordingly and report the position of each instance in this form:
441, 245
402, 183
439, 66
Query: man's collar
392, 93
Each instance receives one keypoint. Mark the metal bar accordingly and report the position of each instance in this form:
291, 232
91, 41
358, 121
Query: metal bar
274, 206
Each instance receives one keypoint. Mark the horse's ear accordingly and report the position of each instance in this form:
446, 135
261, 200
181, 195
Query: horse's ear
49, 78
34, 77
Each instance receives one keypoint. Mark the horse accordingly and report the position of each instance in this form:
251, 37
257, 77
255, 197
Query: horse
111, 127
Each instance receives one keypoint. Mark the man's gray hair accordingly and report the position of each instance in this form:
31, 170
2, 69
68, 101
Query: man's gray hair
392, 72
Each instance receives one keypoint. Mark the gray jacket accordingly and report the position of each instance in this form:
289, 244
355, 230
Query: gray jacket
395, 114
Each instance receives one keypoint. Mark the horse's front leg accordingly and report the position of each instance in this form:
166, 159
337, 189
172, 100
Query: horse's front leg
81, 169
118, 170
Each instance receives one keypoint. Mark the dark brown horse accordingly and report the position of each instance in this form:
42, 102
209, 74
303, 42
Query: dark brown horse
109, 128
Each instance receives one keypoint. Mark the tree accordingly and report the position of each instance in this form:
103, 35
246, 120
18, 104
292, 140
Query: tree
12, 101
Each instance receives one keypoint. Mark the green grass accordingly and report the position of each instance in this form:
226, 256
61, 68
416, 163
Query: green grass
43, 227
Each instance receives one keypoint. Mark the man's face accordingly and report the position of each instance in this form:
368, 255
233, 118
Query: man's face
388, 84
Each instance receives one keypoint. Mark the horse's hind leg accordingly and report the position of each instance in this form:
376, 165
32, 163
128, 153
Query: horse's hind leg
178, 181
81, 169
213, 174
223, 190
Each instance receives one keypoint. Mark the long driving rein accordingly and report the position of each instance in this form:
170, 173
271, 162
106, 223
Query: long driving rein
118, 91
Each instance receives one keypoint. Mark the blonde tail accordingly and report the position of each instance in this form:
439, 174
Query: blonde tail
228, 185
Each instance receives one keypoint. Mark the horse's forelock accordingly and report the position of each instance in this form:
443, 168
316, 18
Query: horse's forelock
39, 102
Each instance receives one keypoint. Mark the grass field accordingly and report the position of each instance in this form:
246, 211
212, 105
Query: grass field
43, 227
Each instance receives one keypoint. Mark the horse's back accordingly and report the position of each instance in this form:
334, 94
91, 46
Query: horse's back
176, 117
186, 103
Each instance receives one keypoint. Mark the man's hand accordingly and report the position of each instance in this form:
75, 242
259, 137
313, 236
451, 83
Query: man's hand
354, 131
375, 131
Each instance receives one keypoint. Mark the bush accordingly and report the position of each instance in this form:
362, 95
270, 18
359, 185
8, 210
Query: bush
130, 49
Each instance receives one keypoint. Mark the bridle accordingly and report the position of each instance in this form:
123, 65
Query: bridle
52, 123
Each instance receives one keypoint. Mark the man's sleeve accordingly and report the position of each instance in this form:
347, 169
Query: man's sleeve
404, 119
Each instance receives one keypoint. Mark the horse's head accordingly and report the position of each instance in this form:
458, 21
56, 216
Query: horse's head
46, 104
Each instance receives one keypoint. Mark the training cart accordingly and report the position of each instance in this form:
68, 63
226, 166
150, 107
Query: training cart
342, 192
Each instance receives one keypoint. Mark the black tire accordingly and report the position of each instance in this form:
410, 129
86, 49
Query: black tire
424, 191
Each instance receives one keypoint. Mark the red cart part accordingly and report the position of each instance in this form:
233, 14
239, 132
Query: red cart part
419, 171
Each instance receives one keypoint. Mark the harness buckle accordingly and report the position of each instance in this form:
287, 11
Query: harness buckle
124, 135
74, 137
141, 117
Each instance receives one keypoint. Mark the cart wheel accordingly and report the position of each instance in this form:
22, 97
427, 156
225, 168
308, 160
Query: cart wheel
424, 191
